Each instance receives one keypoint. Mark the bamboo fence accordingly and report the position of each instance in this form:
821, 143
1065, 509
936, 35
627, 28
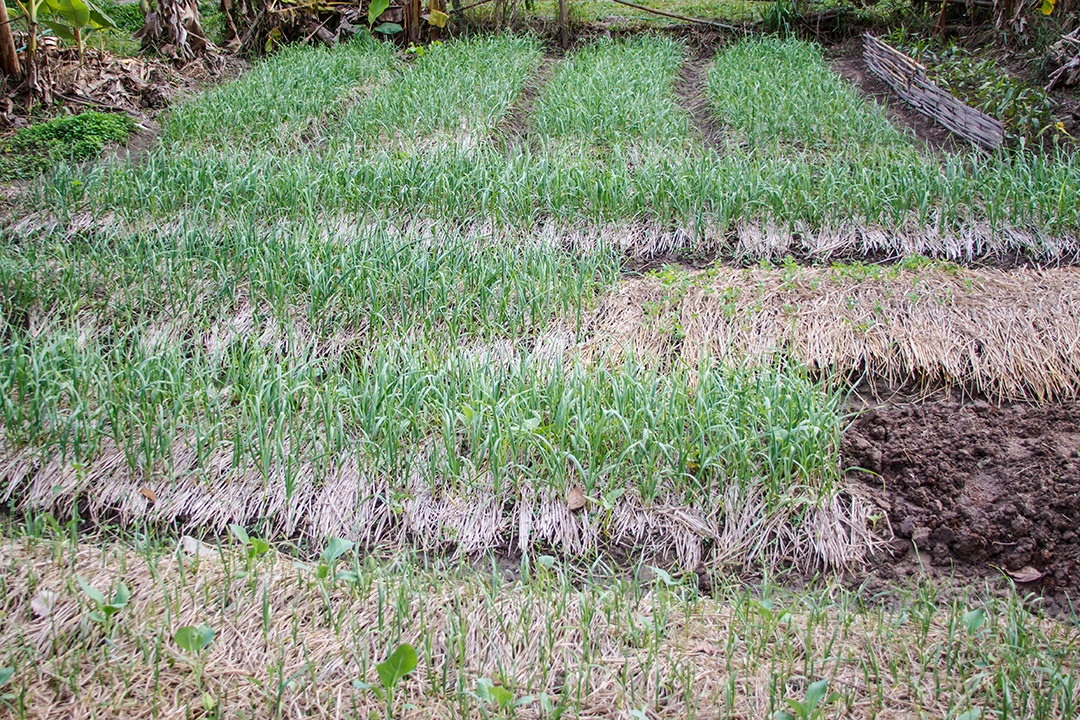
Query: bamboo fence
908, 79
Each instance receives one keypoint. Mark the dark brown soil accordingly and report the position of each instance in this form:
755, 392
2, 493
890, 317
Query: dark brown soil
976, 490
693, 96
513, 127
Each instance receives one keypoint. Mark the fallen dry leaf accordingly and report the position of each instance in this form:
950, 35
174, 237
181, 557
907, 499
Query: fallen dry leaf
148, 493
42, 603
191, 546
1026, 574
576, 500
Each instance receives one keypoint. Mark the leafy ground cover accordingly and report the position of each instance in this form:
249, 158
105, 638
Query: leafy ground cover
70, 137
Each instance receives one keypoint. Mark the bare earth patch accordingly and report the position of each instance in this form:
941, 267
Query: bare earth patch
977, 489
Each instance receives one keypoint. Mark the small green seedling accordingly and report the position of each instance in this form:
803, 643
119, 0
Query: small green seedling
973, 620
255, 547
194, 640
498, 697
104, 611
549, 709
391, 672
813, 707
664, 576
6, 674
330, 556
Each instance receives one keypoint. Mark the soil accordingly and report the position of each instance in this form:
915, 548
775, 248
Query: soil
514, 126
975, 491
693, 96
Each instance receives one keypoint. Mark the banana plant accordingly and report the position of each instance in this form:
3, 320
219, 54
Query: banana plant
73, 20
30, 10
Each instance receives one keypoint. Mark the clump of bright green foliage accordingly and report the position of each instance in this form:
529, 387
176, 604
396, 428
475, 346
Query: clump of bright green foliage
128, 17
67, 138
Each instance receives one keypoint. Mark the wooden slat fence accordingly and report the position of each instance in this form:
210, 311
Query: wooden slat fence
908, 79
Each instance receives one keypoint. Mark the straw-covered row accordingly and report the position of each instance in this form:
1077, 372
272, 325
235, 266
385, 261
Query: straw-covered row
296, 639
718, 467
1006, 334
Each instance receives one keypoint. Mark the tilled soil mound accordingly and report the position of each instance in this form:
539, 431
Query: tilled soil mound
977, 489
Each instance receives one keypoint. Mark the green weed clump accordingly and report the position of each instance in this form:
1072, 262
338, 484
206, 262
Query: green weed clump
128, 17
73, 138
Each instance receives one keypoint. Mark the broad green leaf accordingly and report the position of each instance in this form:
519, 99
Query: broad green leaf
483, 689
119, 601
502, 696
335, 549
375, 9
5, 675
400, 663
664, 576
80, 13
801, 710
259, 547
187, 638
1047, 6
493, 694
194, 639
99, 20
60, 30
123, 594
974, 619
206, 635
91, 592
816, 693
240, 534
389, 29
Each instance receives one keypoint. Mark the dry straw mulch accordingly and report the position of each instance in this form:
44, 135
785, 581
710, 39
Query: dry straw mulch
1006, 334
289, 645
